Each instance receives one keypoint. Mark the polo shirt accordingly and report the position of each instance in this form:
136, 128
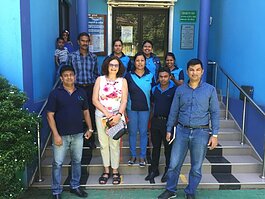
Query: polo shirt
139, 90
68, 109
153, 64
126, 61
162, 99
178, 73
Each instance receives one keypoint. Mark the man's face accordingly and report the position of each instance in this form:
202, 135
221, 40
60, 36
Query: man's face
164, 78
84, 42
117, 48
68, 78
195, 72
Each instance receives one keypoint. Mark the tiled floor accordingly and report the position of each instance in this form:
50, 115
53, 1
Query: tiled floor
149, 194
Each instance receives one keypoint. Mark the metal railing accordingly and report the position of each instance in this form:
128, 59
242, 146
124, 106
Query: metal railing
246, 98
40, 153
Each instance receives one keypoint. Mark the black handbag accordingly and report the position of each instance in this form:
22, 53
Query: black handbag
117, 131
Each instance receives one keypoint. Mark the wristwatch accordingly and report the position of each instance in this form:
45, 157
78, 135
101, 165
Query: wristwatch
91, 130
215, 136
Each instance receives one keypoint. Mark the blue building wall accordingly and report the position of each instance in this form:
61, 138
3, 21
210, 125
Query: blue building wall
237, 44
44, 31
183, 56
237, 41
10, 38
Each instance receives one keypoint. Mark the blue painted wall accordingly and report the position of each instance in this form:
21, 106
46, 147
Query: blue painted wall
183, 56
10, 39
44, 31
237, 41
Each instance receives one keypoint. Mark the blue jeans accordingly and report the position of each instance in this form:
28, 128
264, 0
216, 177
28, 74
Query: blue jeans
75, 144
138, 121
196, 141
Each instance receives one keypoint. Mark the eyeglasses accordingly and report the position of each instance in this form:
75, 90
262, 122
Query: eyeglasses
114, 65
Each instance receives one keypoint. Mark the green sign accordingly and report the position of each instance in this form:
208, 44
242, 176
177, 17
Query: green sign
188, 16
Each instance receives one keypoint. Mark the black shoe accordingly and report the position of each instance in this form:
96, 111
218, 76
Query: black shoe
79, 192
57, 196
152, 175
190, 196
167, 194
152, 181
164, 177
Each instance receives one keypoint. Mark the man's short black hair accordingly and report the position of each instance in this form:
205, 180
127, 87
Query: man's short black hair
113, 43
164, 69
194, 62
66, 68
83, 34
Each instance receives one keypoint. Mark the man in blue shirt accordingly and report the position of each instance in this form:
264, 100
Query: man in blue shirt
162, 97
117, 51
87, 71
66, 108
195, 105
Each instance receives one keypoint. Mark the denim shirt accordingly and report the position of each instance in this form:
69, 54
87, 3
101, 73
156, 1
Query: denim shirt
195, 107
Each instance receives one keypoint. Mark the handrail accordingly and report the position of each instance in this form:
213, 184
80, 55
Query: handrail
246, 98
40, 179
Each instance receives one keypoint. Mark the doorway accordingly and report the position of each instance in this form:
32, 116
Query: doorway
134, 25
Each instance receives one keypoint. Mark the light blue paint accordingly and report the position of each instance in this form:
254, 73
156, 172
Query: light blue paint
44, 31
237, 41
10, 39
97, 7
183, 56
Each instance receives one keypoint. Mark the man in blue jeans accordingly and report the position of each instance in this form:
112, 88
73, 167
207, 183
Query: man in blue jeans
195, 105
67, 106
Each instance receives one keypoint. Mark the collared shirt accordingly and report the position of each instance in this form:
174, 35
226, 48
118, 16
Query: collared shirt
126, 61
178, 73
139, 90
86, 68
162, 99
194, 107
68, 109
153, 64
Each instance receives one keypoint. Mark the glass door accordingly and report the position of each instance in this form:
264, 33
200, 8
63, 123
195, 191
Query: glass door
133, 26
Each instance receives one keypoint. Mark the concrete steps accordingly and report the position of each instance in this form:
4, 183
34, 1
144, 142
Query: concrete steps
230, 166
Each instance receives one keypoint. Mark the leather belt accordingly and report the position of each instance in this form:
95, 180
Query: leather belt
194, 127
160, 117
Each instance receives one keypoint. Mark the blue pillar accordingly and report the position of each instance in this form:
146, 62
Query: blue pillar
204, 34
82, 20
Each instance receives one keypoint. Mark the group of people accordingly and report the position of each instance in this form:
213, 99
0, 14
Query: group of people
142, 91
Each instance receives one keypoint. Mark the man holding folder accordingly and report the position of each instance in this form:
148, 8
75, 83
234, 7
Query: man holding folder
195, 106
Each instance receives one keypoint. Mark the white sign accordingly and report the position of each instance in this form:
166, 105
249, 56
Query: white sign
127, 34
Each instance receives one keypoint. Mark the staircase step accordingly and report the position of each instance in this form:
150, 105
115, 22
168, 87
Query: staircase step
244, 180
236, 163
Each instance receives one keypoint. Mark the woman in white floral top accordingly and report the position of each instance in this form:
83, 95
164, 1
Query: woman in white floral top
110, 99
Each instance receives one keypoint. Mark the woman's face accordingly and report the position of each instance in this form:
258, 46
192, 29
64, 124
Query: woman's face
147, 49
113, 66
65, 36
139, 62
170, 61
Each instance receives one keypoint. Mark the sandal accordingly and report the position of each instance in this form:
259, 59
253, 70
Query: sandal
103, 179
116, 178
